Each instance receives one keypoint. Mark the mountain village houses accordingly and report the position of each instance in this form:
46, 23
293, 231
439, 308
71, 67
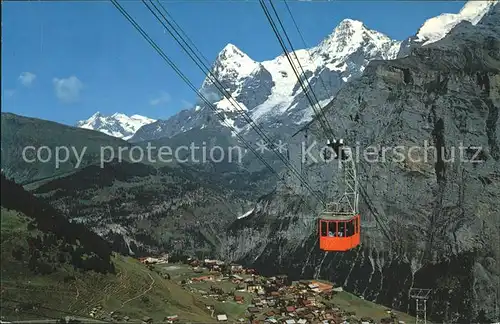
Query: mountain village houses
163, 259
267, 299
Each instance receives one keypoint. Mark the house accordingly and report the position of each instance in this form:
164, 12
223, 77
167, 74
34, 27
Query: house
290, 309
254, 288
253, 309
172, 319
222, 318
239, 299
208, 262
236, 268
311, 301
312, 286
309, 317
151, 260
301, 310
323, 287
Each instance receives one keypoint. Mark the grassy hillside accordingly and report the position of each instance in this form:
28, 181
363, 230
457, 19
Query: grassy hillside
51, 268
17, 132
43, 238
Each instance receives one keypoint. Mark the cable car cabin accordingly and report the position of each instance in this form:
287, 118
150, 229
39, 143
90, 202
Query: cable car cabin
338, 231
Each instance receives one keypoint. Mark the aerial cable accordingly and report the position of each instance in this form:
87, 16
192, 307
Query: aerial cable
300, 65
323, 123
280, 40
205, 100
185, 37
196, 54
185, 79
303, 41
283, 46
219, 86
205, 69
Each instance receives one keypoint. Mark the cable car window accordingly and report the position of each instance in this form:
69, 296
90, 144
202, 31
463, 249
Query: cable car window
350, 228
341, 229
332, 229
356, 226
324, 229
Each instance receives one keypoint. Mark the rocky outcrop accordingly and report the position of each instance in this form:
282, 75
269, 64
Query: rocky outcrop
430, 220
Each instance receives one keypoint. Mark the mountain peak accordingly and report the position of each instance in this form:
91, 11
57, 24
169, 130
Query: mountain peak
231, 63
117, 115
231, 48
436, 28
232, 53
351, 24
348, 37
117, 125
96, 115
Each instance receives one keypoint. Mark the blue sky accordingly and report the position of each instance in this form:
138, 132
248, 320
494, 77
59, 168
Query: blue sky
63, 61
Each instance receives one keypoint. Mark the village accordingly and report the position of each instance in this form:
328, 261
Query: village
239, 295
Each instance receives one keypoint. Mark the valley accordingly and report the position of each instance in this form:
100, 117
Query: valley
419, 115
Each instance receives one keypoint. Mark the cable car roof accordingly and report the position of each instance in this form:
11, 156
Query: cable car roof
336, 216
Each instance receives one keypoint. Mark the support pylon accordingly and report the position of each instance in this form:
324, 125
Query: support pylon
421, 296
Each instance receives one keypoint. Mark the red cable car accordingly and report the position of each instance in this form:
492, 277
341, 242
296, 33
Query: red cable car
339, 225
338, 231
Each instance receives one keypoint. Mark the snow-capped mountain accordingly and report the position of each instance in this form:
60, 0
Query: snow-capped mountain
117, 125
436, 28
269, 91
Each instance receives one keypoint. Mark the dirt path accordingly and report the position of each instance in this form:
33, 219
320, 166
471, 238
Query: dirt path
141, 294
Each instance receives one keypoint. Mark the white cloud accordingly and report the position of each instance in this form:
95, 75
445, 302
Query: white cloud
161, 99
68, 90
27, 78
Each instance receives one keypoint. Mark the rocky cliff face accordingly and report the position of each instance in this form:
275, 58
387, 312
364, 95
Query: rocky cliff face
430, 220
140, 208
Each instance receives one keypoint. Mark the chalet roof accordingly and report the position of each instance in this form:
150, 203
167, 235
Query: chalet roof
222, 317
